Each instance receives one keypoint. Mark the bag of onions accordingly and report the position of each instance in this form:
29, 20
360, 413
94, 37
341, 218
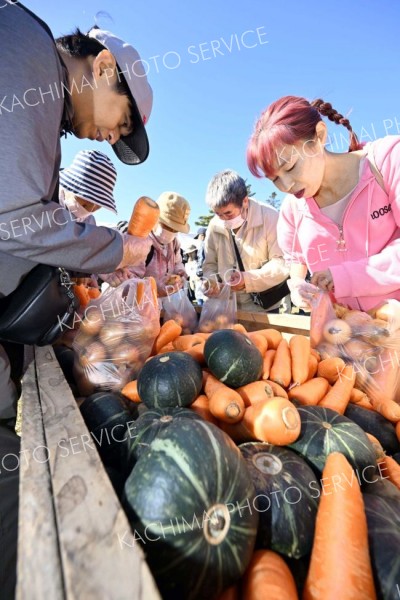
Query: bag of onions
116, 336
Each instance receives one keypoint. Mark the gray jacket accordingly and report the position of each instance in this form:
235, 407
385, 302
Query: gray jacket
33, 228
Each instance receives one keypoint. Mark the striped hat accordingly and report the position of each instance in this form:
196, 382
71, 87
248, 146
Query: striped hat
91, 176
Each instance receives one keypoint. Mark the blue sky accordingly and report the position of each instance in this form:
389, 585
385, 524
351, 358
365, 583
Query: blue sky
209, 88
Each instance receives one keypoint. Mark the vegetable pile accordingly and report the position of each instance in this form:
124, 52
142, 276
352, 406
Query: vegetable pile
262, 467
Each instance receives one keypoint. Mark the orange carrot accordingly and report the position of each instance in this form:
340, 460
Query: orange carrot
203, 335
154, 293
183, 342
197, 352
330, 368
299, 347
93, 292
239, 327
338, 396
140, 289
340, 566
268, 578
130, 390
315, 353
273, 337
81, 292
202, 406
281, 370
277, 389
225, 403
390, 469
312, 366
268, 359
144, 217
259, 341
360, 398
257, 391
167, 348
169, 331
385, 406
311, 392
275, 421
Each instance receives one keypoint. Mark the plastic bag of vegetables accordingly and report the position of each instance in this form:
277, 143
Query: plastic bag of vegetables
116, 336
368, 341
219, 312
178, 307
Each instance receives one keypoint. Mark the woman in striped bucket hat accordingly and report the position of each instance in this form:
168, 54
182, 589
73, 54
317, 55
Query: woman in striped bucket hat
88, 184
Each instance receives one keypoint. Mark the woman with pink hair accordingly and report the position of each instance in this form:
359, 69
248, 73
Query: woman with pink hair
340, 219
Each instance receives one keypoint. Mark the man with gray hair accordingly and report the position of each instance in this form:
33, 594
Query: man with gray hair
241, 247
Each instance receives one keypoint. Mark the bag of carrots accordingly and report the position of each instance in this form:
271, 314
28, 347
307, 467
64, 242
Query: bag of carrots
179, 308
219, 312
116, 335
367, 341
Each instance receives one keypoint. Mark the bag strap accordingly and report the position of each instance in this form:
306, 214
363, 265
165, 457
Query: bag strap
149, 256
236, 249
374, 168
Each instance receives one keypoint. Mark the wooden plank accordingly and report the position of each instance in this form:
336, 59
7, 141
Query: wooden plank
92, 528
39, 563
291, 324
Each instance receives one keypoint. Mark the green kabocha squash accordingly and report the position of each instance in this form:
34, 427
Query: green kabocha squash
287, 495
324, 431
170, 379
383, 519
372, 422
149, 425
190, 501
108, 417
233, 358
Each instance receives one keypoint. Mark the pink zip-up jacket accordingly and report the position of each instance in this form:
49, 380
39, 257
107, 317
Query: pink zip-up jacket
364, 254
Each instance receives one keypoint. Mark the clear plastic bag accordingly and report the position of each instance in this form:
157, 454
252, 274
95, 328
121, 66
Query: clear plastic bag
369, 341
178, 307
116, 336
219, 312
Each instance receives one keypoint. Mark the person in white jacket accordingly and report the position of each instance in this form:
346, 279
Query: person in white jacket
251, 225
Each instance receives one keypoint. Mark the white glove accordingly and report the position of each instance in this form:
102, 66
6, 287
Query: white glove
302, 292
136, 250
116, 278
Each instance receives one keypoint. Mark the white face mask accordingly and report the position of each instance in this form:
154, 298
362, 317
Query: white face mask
67, 200
234, 223
164, 236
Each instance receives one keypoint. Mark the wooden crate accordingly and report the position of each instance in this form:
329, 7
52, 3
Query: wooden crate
74, 540
287, 324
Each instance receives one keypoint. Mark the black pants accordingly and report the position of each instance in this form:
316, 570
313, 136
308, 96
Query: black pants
9, 476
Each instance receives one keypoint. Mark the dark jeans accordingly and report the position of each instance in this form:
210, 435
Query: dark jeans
9, 476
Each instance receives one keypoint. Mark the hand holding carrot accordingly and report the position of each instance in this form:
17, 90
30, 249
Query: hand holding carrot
135, 250
115, 279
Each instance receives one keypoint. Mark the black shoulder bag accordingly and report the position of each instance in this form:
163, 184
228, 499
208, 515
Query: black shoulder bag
269, 297
39, 310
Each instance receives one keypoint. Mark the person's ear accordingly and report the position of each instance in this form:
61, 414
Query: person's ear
104, 65
321, 132
245, 203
